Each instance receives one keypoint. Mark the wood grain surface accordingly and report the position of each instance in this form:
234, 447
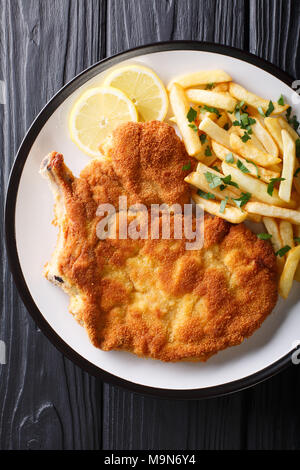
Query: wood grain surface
46, 402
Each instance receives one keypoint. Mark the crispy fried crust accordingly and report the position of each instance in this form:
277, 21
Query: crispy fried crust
153, 297
146, 165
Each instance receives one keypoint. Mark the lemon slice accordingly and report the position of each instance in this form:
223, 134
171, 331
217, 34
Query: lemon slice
96, 114
144, 88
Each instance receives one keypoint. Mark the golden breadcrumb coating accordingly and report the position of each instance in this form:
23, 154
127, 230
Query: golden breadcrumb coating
153, 297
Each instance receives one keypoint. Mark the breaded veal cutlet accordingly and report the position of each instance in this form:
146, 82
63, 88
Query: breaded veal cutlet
154, 298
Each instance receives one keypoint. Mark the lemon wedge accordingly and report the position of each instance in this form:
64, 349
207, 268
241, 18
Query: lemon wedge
96, 114
144, 88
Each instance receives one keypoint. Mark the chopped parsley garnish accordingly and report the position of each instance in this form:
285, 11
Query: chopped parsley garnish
223, 205
191, 115
264, 236
202, 138
243, 120
229, 158
209, 86
241, 201
281, 101
237, 108
283, 251
205, 195
215, 181
297, 172
194, 127
211, 109
216, 168
292, 120
270, 109
294, 123
187, 166
272, 183
227, 180
207, 152
297, 239
261, 112
246, 136
297, 148
256, 167
242, 167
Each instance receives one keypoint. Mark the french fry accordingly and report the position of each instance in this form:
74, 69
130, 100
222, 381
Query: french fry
297, 234
215, 132
297, 230
272, 124
200, 116
212, 116
254, 140
211, 98
201, 168
238, 130
180, 106
250, 152
203, 157
260, 208
265, 138
241, 94
255, 114
202, 77
199, 181
257, 188
288, 273
254, 218
207, 160
217, 164
222, 120
285, 125
289, 160
231, 214
233, 130
273, 229
286, 233
277, 168
221, 87
296, 179
264, 173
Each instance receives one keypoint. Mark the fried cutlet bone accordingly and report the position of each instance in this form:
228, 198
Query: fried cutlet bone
153, 297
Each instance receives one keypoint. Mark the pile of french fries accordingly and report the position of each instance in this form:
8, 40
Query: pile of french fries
247, 150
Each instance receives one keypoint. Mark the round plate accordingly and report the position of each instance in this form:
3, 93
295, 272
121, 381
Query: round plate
31, 238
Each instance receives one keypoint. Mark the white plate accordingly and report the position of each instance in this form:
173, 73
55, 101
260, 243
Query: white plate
29, 211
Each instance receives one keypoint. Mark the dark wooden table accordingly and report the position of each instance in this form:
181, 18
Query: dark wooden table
46, 402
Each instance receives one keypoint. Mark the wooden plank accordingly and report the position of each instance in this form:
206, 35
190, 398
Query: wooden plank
273, 407
273, 412
132, 421
45, 400
275, 31
131, 23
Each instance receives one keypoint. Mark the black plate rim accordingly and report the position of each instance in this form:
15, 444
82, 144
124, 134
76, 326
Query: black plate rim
10, 206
